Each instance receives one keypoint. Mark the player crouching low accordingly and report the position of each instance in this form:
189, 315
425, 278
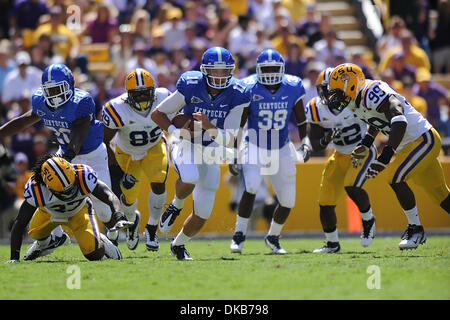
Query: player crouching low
345, 132
58, 194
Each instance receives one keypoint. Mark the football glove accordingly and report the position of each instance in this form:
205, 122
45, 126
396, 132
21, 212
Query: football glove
235, 169
358, 154
374, 169
305, 151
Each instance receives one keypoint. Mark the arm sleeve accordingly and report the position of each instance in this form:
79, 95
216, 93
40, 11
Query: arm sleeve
173, 103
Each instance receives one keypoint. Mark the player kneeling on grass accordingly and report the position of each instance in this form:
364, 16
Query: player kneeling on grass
58, 195
345, 132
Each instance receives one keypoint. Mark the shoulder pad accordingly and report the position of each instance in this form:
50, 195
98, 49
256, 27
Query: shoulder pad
111, 117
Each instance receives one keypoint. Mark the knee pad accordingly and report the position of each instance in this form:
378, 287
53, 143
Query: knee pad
96, 254
203, 202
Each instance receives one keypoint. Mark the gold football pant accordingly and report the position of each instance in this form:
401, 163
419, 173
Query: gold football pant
83, 225
154, 165
339, 173
418, 161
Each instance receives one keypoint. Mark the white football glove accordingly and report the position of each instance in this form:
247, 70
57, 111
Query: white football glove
305, 151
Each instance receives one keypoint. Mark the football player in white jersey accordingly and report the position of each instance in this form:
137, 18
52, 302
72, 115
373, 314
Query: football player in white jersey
344, 131
140, 148
58, 195
411, 138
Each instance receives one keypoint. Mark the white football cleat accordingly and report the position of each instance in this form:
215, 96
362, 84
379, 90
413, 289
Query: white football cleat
111, 250
151, 237
36, 250
133, 232
168, 218
368, 232
329, 247
273, 243
237, 242
412, 237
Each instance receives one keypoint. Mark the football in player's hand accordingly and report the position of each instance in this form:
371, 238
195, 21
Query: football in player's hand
180, 120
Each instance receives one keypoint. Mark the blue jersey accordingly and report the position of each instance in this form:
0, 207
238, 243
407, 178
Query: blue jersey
192, 85
270, 111
60, 120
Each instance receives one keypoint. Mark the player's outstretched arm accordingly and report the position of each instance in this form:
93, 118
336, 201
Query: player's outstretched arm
106, 195
318, 137
79, 132
26, 212
172, 104
18, 124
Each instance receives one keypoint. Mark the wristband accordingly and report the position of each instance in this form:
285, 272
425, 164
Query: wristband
367, 140
386, 155
301, 123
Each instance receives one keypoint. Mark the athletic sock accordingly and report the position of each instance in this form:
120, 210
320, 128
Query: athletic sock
413, 216
366, 216
332, 236
180, 239
155, 205
275, 228
241, 224
178, 203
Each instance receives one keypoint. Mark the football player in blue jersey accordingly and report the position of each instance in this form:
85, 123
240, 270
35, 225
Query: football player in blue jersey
70, 113
267, 150
216, 100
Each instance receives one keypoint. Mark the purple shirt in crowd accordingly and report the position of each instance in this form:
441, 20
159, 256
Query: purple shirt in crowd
432, 96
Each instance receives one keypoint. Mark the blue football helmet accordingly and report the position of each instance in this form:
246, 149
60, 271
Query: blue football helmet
214, 59
58, 85
274, 60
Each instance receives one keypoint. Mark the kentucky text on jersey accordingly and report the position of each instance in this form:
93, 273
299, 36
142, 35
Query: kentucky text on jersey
273, 105
56, 123
61, 119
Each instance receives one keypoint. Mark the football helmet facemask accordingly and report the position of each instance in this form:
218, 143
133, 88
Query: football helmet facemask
60, 178
322, 83
58, 85
140, 87
345, 82
218, 67
270, 67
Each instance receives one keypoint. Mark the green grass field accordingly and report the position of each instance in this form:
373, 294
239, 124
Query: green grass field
217, 274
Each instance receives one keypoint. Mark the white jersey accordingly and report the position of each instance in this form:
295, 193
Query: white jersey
137, 132
373, 93
353, 129
38, 195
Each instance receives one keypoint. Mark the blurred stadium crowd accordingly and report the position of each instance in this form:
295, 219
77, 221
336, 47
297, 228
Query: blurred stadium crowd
101, 41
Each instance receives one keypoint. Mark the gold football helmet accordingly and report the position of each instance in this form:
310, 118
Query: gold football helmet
140, 86
60, 177
345, 82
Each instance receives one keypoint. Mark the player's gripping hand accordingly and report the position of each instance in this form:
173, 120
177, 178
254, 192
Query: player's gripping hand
235, 169
305, 151
374, 169
358, 154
